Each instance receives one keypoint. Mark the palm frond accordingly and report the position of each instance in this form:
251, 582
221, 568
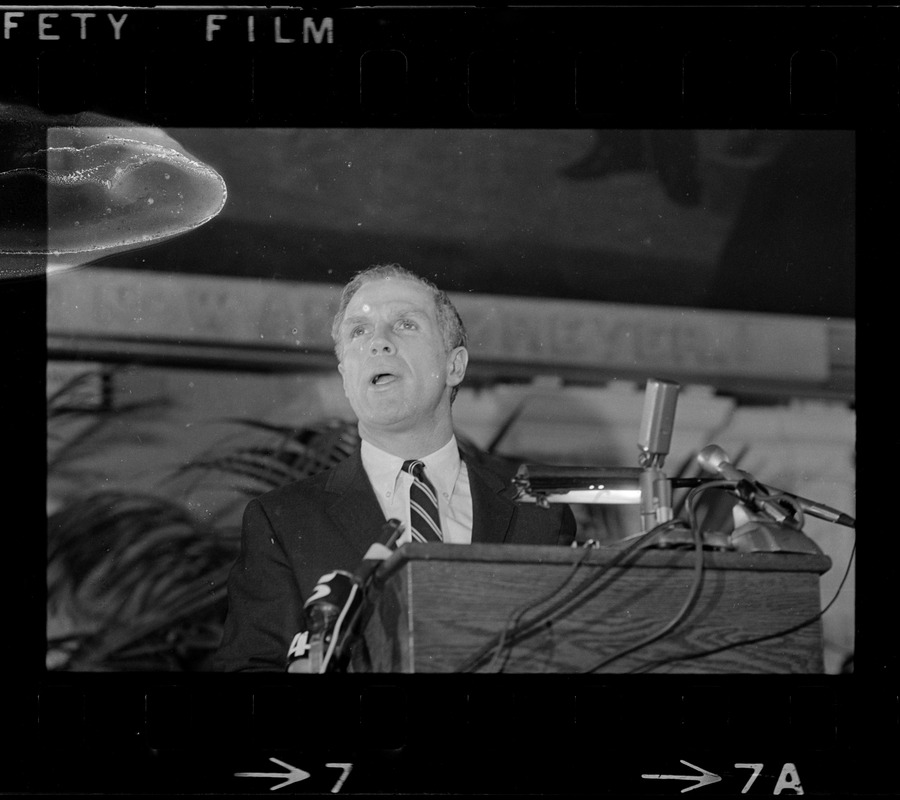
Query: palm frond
135, 580
124, 568
73, 405
281, 455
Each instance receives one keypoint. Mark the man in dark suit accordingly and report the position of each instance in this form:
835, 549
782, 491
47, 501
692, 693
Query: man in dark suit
401, 349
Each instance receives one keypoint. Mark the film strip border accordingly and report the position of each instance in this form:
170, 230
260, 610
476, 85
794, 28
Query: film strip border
169, 734
590, 66
518, 737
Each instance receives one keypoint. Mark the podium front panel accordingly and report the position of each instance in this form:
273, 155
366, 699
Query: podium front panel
441, 604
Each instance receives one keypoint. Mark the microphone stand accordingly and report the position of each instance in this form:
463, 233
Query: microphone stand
656, 491
654, 437
764, 519
767, 527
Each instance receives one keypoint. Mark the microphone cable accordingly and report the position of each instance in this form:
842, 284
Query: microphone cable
693, 591
497, 642
338, 630
552, 613
756, 639
513, 634
514, 617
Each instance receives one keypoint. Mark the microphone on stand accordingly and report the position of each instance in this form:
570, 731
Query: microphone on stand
330, 611
714, 459
654, 439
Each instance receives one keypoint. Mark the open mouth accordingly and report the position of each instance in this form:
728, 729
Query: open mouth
382, 378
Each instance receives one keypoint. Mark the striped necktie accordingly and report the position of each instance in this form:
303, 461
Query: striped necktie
423, 508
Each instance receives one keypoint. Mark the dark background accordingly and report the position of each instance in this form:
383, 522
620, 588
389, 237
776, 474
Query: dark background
750, 220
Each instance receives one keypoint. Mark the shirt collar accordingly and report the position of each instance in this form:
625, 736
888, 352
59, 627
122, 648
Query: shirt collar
442, 467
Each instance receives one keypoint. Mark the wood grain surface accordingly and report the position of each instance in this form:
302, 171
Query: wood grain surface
440, 604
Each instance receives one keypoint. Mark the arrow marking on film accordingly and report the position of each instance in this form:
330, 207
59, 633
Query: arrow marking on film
294, 775
702, 780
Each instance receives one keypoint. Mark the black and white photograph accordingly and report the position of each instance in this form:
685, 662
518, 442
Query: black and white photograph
448, 401
595, 272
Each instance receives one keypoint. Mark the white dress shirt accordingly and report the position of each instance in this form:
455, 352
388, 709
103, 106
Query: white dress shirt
447, 473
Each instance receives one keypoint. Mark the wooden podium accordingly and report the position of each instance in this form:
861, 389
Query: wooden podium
440, 604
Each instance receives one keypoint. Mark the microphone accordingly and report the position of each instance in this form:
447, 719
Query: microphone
657, 422
714, 459
814, 509
378, 551
654, 438
331, 609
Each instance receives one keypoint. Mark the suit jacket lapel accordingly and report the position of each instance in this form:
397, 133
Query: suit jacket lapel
351, 503
492, 512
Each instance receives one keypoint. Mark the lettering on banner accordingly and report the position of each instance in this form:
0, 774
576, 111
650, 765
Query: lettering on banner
317, 310
574, 338
301, 318
277, 319
131, 308
649, 339
213, 310
523, 335
697, 349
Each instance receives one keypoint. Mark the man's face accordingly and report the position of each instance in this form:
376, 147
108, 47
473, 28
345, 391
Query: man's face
397, 374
